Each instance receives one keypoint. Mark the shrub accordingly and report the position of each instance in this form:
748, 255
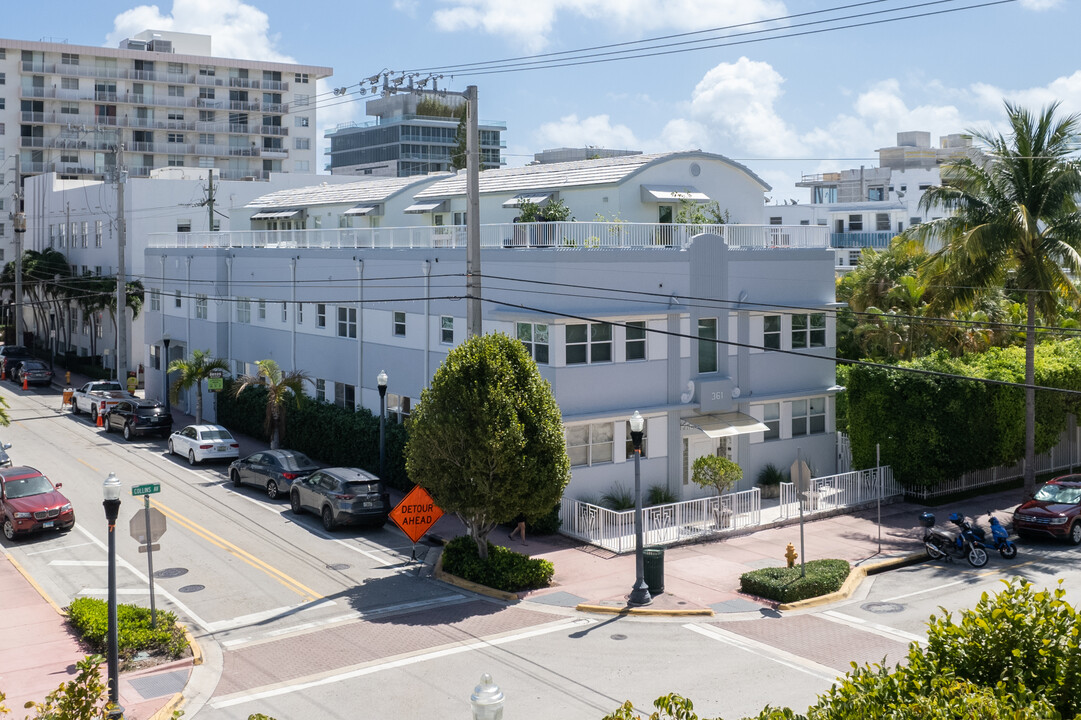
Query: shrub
659, 495
503, 570
618, 498
785, 585
710, 471
89, 617
770, 474
547, 524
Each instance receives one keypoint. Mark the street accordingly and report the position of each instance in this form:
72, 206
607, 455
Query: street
299, 623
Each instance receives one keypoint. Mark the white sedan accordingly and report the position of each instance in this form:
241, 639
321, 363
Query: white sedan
204, 442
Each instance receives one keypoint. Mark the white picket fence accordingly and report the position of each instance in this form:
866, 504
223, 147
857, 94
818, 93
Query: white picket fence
850, 489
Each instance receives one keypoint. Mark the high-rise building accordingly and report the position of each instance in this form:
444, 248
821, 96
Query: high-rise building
164, 98
415, 133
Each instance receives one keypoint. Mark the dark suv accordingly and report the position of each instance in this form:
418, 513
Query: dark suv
342, 495
138, 417
10, 356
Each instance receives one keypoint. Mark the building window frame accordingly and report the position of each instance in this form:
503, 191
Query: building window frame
536, 340
808, 416
347, 322
446, 329
590, 444
635, 341
398, 323
591, 343
201, 305
320, 315
707, 345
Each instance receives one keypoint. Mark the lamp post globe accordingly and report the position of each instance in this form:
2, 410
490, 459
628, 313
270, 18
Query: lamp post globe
111, 493
640, 592
381, 381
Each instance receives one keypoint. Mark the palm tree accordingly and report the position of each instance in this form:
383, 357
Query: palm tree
280, 386
192, 373
1014, 223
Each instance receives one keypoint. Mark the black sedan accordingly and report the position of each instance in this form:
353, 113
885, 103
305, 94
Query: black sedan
138, 417
274, 470
33, 372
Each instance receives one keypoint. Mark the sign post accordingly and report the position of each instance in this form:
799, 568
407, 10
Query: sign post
415, 515
147, 529
801, 475
215, 382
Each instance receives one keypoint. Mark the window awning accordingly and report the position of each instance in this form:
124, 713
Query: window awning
273, 214
360, 210
427, 206
537, 198
672, 193
724, 424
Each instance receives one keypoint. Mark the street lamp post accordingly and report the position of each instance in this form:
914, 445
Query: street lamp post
381, 380
640, 592
111, 490
165, 372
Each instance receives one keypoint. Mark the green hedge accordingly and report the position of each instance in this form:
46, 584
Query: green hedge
785, 585
503, 570
325, 432
90, 619
934, 428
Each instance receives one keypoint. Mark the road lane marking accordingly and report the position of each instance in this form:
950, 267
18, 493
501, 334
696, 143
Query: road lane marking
369, 669
257, 617
79, 563
58, 549
921, 592
119, 591
289, 582
874, 628
768, 652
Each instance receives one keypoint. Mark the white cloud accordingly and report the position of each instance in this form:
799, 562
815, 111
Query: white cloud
597, 130
239, 30
1040, 4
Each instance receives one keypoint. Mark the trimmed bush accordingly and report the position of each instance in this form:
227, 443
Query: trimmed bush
503, 570
89, 617
785, 585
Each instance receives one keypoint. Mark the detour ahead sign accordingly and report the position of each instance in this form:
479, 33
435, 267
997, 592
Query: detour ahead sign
416, 513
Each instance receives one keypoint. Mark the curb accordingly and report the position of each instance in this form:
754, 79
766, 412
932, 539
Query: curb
855, 577
196, 651
166, 712
446, 577
33, 583
612, 610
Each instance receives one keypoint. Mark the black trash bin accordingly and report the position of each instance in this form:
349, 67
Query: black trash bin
653, 568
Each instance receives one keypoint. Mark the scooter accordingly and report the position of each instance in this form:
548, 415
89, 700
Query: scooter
1000, 539
939, 545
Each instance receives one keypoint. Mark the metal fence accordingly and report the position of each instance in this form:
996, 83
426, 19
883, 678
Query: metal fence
834, 492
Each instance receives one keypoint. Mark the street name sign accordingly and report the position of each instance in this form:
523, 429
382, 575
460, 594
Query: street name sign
416, 513
148, 489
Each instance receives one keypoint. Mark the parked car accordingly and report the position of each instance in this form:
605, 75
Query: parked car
340, 496
138, 417
203, 442
30, 502
1055, 510
274, 470
10, 355
34, 372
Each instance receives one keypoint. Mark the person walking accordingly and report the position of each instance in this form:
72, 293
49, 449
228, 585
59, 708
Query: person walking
519, 529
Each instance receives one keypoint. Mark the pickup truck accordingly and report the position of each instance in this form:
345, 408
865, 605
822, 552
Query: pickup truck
97, 396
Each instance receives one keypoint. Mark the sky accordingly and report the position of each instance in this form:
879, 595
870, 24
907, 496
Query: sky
782, 86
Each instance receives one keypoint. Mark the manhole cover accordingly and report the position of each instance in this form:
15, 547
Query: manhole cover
883, 608
170, 572
192, 588
619, 636
339, 566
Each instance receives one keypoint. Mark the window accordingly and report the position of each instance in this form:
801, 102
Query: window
707, 346
176, 91
399, 323
97, 233
771, 417
301, 121
347, 322
69, 108
854, 257
300, 78
345, 396
155, 357
818, 329
206, 139
206, 116
176, 297
321, 390
301, 166
262, 309
69, 83
809, 330
809, 416
200, 307
285, 312
175, 137
882, 222
97, 273
589, 343
303, 143
175, 116
876, 194
300, 313
535, 338
174, 161
398, 407
925, 186
243, 310
3, 78
799, 331
636, 340
175, 68
590, 444
630, 443
320, 315
300, 99
86, 233
63, 228
155, 301
206, 70
69, 59
771, 332
776, 220
855, 223
206, 93
914, 221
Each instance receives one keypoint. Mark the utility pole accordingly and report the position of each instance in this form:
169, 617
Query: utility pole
210, 198
121, 275
19, 221
472, 218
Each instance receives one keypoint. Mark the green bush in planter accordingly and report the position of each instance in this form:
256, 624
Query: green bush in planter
90, 619
503, 570
785, 585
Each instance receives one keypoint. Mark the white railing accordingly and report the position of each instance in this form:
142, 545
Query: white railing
512, 236
834, 492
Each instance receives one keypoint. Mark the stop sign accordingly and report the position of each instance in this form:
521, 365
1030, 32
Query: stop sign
137, 525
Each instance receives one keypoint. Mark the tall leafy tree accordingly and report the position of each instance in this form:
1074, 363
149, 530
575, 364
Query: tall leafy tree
281, 387
1013, 223
486, 440
193, 372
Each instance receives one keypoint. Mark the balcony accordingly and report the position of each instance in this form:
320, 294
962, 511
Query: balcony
877, 240
555, 236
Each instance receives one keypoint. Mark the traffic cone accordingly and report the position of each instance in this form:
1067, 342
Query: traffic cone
101, 422
26, 385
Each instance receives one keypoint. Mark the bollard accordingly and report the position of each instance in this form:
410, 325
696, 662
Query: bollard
790, 555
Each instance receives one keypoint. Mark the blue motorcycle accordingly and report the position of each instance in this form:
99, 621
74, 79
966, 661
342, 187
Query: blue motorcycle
1000, 539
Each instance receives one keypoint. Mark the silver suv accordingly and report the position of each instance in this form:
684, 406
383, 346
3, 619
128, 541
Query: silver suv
342, 496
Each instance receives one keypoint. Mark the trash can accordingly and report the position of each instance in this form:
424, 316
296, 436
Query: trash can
653, 568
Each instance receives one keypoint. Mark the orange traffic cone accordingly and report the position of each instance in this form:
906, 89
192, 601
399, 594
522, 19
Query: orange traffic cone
101, 422
26, 386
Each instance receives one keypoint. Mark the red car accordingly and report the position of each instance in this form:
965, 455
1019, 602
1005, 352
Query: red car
1054, 511
30, 502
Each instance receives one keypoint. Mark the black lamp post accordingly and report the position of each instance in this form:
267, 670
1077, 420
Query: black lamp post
165, 372
381, 380
640, 592
111, 490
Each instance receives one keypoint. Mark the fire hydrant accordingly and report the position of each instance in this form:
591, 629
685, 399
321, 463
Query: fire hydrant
790, 555
67, 378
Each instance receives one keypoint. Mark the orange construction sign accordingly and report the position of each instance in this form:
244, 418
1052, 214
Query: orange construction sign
416, 513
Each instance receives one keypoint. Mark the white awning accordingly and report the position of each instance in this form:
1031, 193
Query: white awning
724, 424
537, 198
427, 206
273, 214
360, 210
672, 193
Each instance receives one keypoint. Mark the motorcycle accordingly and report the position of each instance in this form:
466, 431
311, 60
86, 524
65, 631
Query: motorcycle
940, 545
1000, 539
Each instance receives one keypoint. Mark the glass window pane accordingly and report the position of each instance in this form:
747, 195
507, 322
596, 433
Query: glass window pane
636, 330
600, 332
525, 332
799, 407
578, 455
818, 405
576, 333
602, 352
578, 435
771, 411
601, 453
576, 354
541, 354
772, 323
799, 426
799, 322
818, 424
602, 432
540, 333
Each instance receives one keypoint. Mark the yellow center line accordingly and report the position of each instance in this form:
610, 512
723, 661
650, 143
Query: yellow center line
289, 582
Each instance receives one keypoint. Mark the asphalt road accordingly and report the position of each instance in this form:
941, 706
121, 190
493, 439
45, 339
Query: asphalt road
299, 623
